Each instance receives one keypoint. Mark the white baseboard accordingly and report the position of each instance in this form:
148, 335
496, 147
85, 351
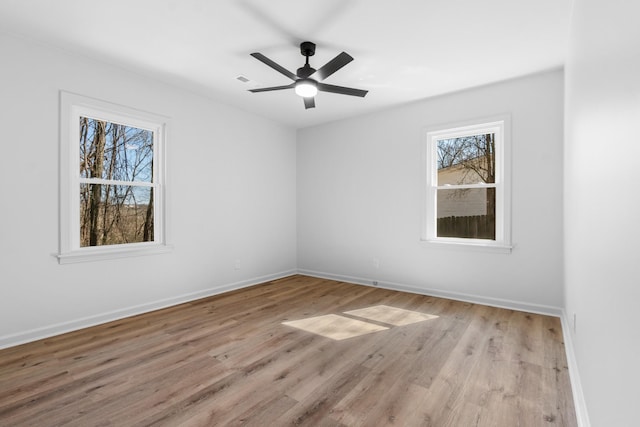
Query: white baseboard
458, 296
574, 375
85, 322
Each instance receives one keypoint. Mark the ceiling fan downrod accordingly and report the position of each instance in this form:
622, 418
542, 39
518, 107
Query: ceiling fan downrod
307, 49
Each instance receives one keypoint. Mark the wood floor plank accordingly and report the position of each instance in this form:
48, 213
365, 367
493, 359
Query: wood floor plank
230, 360
452, 383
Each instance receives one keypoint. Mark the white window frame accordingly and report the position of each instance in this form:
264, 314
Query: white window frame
72, 107
501, 127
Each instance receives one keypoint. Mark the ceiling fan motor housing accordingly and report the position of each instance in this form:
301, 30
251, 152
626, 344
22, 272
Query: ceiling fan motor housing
307, 48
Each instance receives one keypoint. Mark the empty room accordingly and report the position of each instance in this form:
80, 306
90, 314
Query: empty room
321, 213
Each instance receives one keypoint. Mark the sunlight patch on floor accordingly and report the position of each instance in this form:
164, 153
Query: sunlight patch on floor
391, 315
340, 327
335, 327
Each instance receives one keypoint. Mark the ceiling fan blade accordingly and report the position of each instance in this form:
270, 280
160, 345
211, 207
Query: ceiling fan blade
267, 89
279, 68
342, 90
309, 103
334, 65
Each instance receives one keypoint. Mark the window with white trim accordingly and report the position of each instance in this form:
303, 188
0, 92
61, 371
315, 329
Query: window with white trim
467, 185
112, 180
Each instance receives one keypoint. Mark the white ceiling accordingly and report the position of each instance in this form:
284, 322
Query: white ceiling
404, 50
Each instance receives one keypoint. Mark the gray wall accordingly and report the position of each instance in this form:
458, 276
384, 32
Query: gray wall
602, 206
359, 198
231, 180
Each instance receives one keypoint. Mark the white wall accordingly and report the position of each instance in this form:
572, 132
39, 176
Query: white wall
359, 197
602, 206
232, 186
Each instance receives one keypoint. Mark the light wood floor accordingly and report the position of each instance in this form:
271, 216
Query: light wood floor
229, 360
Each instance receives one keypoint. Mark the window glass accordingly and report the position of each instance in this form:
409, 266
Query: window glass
115, 151
111, 153
115, 214
467, 213
466, 160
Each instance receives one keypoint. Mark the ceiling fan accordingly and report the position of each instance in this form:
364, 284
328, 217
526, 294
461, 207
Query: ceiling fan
303, 83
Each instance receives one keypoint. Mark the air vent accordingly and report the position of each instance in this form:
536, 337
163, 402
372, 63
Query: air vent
243, 79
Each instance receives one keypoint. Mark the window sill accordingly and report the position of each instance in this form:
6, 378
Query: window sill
469, 245
103, 253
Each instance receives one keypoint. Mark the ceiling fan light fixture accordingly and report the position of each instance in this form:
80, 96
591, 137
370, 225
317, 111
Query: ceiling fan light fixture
306, 88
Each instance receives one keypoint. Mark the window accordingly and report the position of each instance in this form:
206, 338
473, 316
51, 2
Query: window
467, 180
112, 180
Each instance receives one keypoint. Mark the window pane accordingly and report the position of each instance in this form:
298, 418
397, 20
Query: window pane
115, 214
467, 213
114, 151
467, 160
